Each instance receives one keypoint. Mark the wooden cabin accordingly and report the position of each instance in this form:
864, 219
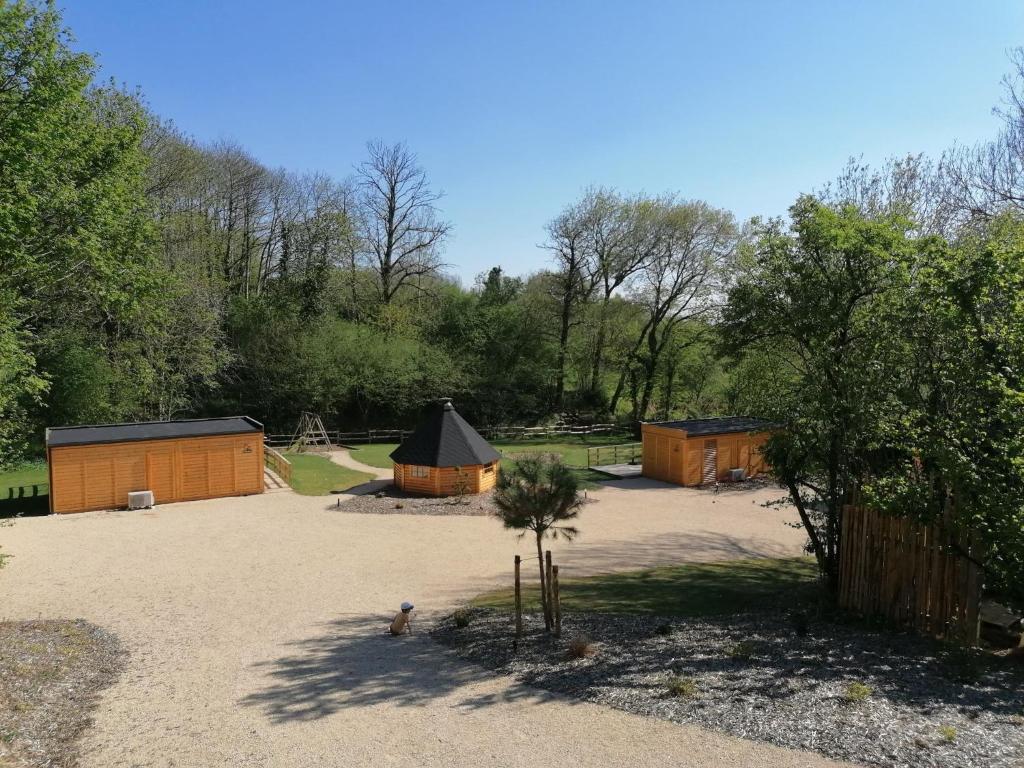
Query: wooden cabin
445, 455
96, 467
704, 451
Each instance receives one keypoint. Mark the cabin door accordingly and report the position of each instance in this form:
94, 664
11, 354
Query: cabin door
710, 473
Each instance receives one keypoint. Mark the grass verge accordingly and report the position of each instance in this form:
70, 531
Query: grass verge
16, 490
316, 476
693, 589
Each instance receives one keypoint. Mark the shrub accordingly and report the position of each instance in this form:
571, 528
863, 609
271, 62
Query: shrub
947, 732
743, 650
681, 687
664, 630
461, 617
801, 623
580, 647
399, 505
857, 692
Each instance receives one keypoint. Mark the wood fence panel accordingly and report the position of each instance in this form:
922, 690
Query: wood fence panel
914, 575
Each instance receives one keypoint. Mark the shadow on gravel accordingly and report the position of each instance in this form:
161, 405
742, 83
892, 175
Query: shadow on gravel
354, 663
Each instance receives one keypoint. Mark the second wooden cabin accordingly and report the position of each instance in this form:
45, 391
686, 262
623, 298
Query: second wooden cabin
704, 451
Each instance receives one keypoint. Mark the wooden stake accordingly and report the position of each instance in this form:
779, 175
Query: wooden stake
557, 601
519, 600
547, 571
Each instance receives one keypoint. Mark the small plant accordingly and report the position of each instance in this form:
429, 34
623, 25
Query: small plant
580, 647
857, 692
800, 622
948, 733
664, 630
682, 687
462, 617
743, 650
399, 505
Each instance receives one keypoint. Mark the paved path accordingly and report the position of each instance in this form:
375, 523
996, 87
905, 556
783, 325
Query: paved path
255, 631
344, 458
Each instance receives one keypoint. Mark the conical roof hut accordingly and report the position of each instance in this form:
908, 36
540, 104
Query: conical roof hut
445, 456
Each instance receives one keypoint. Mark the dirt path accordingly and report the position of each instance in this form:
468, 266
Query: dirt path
255, 631
344, 458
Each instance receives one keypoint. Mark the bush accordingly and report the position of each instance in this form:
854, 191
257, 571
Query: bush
743, 650
682, 687
580, 647
664, 630
857, 692
947, 732
462, 617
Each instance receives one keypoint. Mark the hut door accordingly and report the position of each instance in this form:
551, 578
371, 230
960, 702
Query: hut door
710, 473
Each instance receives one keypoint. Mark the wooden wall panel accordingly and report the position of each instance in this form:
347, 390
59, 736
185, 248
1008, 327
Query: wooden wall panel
100, 476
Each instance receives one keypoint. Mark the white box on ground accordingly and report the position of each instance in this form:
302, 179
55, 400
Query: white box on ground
140, 499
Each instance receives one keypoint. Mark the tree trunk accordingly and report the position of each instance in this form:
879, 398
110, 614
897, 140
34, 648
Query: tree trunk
563, 344
543, 584
595, 368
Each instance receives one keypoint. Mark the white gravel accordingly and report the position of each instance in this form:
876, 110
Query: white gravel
254, 630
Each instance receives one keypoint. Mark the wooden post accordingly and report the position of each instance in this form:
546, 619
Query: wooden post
557, 601
519, 600
548, 574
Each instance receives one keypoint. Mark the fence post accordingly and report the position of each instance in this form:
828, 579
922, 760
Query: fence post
557, 601
519, 600
548, 573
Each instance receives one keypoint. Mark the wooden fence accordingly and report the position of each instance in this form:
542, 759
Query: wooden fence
915, 575
339, 437
626, 453
281, 466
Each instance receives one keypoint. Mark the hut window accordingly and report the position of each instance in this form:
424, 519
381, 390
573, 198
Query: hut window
488, 467
419, 471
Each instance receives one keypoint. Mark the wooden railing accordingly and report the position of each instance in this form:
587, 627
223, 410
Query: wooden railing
914, 575
339, 437
281, 466
626, 453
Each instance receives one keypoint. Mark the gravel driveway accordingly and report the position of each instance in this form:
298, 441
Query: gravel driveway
254, 628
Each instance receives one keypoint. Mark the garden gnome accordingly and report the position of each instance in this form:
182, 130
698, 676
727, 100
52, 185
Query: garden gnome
401, 623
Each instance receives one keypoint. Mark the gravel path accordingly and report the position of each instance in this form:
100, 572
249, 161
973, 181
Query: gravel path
254, 630
892, 700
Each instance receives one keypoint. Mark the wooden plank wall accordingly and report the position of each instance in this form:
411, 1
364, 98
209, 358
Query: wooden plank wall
912, 574
443, 481
88, 477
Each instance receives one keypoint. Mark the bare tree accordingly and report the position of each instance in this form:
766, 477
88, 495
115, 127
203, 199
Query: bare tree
681, 280
402, 234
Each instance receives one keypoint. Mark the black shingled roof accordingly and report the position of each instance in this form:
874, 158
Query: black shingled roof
721, 425
151, 430
444, 439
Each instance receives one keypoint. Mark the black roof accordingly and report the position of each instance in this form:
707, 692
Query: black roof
444, 439
151, 430
720, 425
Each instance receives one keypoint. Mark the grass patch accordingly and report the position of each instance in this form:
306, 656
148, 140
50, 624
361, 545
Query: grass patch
693, 589
681, 687
16, 490
573, 451
314, 475
857, 692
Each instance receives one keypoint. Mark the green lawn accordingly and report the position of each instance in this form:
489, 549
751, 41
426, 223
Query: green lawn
694, 589
572, 450
16, 489
316, 476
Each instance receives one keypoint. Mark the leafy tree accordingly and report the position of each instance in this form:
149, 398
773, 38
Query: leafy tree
814, 299
539, 494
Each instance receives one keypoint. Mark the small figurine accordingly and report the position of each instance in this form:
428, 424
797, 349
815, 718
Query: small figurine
402, 622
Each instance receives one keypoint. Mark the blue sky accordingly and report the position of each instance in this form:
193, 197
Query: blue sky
515, 107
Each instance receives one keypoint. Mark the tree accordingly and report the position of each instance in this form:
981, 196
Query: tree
680, 280
402, 234
815, 300
539, 494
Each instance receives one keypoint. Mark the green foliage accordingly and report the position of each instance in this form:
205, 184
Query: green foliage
682, 687
461, 618
540, 495
856, 692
